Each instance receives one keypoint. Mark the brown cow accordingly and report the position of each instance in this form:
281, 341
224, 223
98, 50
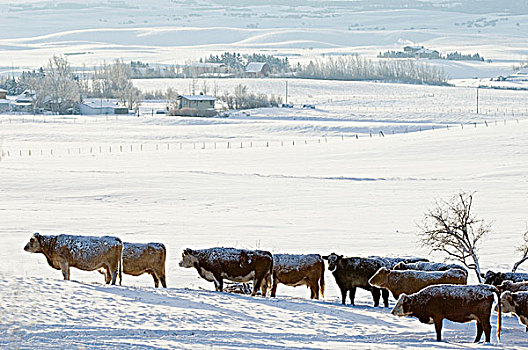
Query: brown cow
297, 270
517, 304
513, 286
456, 303
83, 252
428, 266
411, 281
140, 258
237, 265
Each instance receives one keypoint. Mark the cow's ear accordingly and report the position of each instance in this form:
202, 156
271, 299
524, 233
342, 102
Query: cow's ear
340, 256
187, 251
325, 257
37, 236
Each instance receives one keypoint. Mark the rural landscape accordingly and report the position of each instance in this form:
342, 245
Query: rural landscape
229, 174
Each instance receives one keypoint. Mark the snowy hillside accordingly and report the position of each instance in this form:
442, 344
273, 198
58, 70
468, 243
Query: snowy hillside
353, 196
172, 31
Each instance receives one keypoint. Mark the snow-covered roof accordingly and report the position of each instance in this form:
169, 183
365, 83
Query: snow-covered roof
101, 104
198, 97
2, 90
255, 67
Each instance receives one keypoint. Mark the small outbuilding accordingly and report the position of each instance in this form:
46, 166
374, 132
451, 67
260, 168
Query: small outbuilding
105, 107
199, 102
258, 69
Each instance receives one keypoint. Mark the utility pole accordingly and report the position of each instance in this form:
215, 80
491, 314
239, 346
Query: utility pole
286, 91
477, 100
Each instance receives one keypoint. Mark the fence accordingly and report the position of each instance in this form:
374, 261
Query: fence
116, 149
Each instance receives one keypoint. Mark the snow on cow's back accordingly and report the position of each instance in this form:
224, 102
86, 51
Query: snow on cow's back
296, 262
229, 255
85, 247
472, 292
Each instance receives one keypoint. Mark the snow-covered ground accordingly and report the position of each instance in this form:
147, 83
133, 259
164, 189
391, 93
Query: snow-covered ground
353, 196
173, 31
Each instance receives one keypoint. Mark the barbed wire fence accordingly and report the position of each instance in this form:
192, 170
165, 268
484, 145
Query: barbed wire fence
149, 147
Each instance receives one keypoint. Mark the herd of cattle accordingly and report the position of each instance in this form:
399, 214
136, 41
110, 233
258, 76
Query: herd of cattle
426, 290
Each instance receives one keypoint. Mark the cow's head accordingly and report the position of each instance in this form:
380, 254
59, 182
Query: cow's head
33, 246
402, 307
493, 278
507, 302
400, 266
380, 278
332, 259
188, 258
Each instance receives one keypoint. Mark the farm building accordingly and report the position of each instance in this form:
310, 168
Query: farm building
4, 102
199, 102
258, 69
23, 102
93, 107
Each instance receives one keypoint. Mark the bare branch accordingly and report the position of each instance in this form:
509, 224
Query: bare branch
450, 227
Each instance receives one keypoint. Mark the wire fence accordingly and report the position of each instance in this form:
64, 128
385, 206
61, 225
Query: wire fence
123, 148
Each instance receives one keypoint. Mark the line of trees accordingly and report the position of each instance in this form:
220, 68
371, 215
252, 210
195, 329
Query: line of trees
359, 68
241, 98
450, 56
450, 227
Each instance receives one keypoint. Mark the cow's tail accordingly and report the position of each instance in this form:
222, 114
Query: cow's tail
322, 281
499, 311
120, 266
269, 279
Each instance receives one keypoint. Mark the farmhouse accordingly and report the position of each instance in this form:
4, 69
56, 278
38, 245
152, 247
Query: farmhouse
24, 102
95, 106
258, 69
199, 102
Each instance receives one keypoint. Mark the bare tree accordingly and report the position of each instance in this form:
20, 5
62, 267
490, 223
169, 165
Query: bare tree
523, 249
451, 228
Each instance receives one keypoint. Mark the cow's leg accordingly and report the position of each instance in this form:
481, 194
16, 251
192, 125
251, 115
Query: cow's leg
257, 284
352, 295
479, 331
438, 328
375, 296
113, 274
343, 295
65, 268
274, 287
162, 280
108, 278
315, 290
385, 296
486, 326
156, 280
219, 284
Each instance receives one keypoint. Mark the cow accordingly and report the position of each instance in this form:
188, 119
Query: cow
140, 258
83, 252
456, 303
428, 266
411, 281
297, 270
237, 265
517, 304
354, 272
496, 278
513, 286
390, 262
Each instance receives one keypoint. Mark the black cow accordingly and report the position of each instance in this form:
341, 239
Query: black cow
351, 273
496, 278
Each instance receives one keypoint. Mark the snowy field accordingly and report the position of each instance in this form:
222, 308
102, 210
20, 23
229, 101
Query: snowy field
174, 31
353, 196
